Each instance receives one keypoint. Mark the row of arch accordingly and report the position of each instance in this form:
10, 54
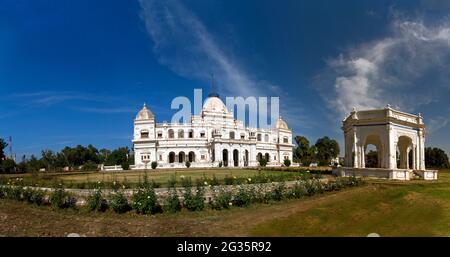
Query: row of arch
374, 153
181, 157
235, 158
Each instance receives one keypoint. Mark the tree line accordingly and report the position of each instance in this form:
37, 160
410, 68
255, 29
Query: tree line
322, 152
89, 158
69, 158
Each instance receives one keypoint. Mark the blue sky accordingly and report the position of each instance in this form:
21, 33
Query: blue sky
76, 72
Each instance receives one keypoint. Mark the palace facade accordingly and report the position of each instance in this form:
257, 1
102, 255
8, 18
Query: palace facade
210, 139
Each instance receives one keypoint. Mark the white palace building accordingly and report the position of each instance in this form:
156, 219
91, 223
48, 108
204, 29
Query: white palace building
211, 138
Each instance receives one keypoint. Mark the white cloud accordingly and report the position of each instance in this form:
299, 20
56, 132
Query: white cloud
184, 44
410, 68
436, 123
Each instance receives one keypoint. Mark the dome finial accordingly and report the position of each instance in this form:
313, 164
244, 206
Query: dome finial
213, 92
145, 105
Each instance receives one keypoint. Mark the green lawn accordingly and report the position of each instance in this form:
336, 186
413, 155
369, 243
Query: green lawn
389, 208
416, 208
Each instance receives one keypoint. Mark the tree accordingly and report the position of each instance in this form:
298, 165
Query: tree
3, 145
118, 157
372, 159
103, 154
436, 158
327, 149
303, 152
8, 166
48, 159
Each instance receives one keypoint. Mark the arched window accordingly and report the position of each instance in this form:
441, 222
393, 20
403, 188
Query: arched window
180, 133
160, 134
171, 133
144, 134
171, 157
258, 137
285, 140
242, 136
266, 138
202, 134
231, 134
191, 134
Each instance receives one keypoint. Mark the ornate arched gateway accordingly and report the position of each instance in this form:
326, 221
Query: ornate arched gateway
398, 139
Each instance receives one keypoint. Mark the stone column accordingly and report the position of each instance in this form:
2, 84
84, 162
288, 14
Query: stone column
414, 161
407, 158
355, 146
363, 157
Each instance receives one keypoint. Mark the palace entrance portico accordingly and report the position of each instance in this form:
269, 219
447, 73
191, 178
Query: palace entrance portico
396, 140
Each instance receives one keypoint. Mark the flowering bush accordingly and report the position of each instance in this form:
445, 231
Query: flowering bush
221, 199
16, 193
194, 202
299, 190
60, 199
34, 196
172, 202
119, 203
145, 201
279, 192
96, 202
242, 198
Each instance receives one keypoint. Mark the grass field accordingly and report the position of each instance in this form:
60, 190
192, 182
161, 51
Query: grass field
415, 208
161, 177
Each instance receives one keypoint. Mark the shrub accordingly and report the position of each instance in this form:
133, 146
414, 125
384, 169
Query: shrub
125, 165
262, 162
220, 164
145, 201
242, 198
172, 203
228, 180
287, 162
188, 164
154, 165
279, 192
37, 197
119, 203
222, 200
194, 202
172, 182
298, 190
16, 193
89, 166
27, 194
60, 199
2, 192
186, 182
96, 202
260, 194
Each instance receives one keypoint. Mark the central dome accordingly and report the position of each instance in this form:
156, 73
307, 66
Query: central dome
214, 104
